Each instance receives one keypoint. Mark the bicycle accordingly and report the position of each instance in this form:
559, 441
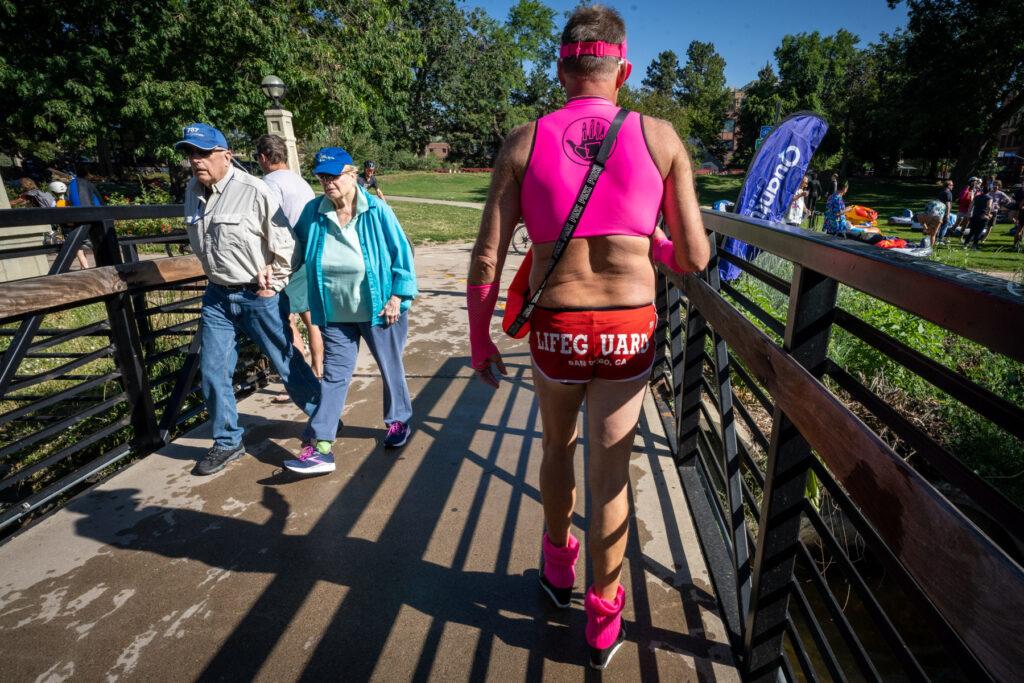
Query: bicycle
520, 239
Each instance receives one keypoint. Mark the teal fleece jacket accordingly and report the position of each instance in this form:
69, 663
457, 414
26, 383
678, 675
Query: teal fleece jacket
386, 254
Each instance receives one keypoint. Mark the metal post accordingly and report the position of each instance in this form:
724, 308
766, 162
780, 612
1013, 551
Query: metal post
812, 301
22, 339
127, 347
687, 384
734, 482
662, 362
182, 387
130, 254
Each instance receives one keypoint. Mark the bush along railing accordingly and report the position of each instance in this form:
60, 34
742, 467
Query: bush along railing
847, 537
97, 366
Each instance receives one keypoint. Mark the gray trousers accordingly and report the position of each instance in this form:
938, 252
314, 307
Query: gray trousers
341, 346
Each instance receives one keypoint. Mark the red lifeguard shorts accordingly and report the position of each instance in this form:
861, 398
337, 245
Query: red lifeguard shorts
575, 346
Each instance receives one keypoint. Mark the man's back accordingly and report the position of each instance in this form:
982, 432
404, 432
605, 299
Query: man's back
291, 191
982, 206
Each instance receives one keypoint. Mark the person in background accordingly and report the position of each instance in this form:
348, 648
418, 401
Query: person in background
31, 196
368, 179
946, 198
835, 210
796, 211
999, 200
292, 193
981, 212
813, 194
59, 189
931, 220
833, 185
361, 284
245, 246
963, 205
80, 192
1018, 215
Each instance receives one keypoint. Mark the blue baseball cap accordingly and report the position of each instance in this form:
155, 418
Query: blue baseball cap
201, 136
331, 161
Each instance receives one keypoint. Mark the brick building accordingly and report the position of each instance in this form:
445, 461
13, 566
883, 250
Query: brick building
1010, 147
731, 126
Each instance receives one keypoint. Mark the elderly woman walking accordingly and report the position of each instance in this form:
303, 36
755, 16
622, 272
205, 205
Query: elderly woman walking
361, 279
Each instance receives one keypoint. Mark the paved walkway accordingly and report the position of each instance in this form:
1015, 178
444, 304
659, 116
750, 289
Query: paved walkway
411, 565
447, 202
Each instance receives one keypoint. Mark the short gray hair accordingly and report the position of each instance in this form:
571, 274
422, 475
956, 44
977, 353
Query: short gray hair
273, 147
590, 24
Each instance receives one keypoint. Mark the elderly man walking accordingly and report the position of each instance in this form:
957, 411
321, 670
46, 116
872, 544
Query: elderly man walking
244, 242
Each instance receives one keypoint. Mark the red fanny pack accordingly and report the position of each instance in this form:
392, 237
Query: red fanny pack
516, 297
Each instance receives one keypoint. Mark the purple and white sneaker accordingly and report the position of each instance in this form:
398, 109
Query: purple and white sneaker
313, 459
398, 434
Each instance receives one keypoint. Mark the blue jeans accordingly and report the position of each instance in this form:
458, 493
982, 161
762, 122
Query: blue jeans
947, 223
227, 312
341, 346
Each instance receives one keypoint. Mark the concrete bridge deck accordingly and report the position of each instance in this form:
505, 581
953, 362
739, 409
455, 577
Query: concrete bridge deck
412, 565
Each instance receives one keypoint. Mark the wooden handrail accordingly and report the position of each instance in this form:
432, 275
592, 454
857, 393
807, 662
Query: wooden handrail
49, 293
980, 307
977, 587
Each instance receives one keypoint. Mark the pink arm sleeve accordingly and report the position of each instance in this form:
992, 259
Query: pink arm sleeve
664, 252
480, 303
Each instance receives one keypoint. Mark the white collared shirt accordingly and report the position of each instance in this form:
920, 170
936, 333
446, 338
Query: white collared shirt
236, 228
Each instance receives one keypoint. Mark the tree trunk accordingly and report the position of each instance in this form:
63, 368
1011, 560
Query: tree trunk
103, 151
973, 146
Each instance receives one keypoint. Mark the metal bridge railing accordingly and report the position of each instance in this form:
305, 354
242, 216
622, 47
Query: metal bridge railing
885, 576
98, 366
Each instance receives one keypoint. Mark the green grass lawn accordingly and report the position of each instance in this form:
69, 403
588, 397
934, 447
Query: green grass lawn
432, 223
886, 196
463, 187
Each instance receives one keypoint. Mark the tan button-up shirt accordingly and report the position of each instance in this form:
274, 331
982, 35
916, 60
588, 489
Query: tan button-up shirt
236, 227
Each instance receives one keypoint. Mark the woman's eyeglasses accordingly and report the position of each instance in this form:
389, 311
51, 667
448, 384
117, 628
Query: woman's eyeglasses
328, 178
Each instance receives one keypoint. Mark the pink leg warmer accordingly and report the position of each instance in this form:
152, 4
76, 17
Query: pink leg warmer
560, 563
604, 619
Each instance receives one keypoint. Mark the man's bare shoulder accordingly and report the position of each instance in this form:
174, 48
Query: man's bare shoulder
663, 143
662, 133
515, 151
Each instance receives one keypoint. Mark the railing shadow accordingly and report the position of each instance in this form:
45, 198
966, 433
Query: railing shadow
382, 577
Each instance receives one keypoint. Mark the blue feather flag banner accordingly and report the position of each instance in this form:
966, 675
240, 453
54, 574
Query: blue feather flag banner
773, 178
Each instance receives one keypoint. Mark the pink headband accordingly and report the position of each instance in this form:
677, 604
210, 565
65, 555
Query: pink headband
597, 49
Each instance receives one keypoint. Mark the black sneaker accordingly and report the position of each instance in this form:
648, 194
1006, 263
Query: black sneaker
560, 597
599, 659
217, 458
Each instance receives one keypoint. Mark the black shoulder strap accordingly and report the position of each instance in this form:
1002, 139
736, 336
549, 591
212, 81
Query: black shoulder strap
574, 216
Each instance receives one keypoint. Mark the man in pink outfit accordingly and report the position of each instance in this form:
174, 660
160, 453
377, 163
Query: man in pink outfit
592, 331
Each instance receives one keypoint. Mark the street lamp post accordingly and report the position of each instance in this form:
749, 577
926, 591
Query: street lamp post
279, 120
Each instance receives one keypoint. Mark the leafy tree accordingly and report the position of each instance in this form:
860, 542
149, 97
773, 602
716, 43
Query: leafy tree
760, 107
484, 96
439, 27
703, 91
663, 74
121, 78
815, 74
967, 62
658, 105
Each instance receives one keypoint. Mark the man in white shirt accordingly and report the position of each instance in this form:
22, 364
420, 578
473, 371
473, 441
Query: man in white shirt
293, 193
245, 245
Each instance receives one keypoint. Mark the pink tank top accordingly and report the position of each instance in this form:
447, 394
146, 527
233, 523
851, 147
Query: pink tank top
627, 196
